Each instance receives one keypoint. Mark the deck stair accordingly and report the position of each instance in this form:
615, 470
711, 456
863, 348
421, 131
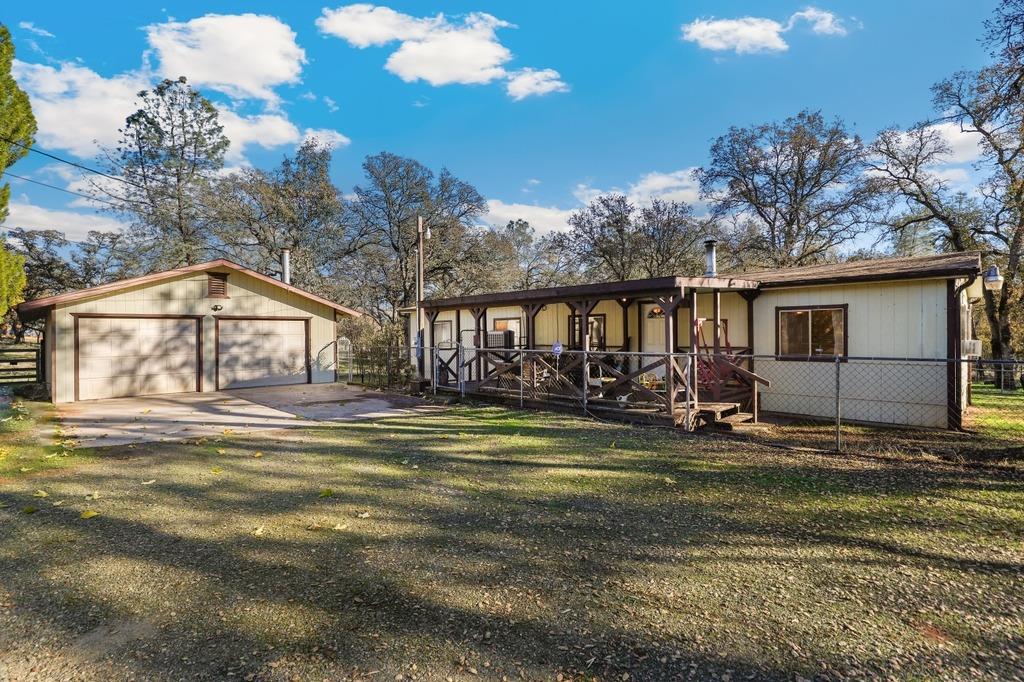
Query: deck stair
724, 415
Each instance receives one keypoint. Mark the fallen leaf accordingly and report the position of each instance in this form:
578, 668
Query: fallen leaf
363, 515
40, 493
315, 525
326, 492
221, 451
147, 410
30, 510
216, 470
94, 495
25, 470
340, 526
149, 482
89, 513
258, 532
257, 455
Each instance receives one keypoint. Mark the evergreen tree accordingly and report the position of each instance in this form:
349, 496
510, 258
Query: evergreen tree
17, 124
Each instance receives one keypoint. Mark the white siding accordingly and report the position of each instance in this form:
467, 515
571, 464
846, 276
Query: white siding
885, 320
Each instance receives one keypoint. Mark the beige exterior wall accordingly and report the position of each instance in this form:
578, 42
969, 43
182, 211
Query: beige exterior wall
187, 296
885, 320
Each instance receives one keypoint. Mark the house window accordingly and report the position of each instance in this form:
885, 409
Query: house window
441, 335
656, 313
217, 284
597, 331
818, 331
504, 324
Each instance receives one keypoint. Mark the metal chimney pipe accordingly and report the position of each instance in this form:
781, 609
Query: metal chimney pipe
286, 266
711, 255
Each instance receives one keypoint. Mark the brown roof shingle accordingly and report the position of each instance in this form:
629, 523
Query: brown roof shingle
874, 270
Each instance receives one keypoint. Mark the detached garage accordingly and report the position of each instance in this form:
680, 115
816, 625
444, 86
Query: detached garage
205, 327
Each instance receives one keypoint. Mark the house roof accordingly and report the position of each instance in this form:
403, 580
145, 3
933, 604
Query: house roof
606, 290
943, 265
31, 310
946, 265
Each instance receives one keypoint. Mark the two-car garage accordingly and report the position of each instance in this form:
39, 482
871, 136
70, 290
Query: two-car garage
213, 326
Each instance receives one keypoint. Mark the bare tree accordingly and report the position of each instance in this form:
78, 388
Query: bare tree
382, 277
794, 191
614, 240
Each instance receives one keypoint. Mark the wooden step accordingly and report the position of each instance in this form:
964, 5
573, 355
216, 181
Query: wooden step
737, 421
717, 411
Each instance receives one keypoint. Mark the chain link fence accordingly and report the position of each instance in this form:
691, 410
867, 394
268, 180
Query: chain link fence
955, 409
380, 366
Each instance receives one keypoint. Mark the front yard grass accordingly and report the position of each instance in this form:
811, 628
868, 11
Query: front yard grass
30, 439
488, 543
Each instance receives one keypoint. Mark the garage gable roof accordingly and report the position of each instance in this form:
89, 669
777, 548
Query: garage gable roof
31, 310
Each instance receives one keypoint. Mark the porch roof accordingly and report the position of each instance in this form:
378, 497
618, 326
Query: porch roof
630, 289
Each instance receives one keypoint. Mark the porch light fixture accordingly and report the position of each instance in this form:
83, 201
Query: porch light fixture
217, 308
993, 280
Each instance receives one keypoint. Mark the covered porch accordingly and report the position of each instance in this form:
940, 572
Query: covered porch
670, 350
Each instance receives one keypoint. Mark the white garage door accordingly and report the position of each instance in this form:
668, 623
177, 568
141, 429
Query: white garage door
125, 356
261, 352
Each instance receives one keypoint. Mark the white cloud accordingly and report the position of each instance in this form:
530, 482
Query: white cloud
263, 130
526, 82
327, 136
241, 55
332, 106
76, 107
749, 35
436, 49
672, 186
32, 28
75, 225
965, 146
542, 218
822, 22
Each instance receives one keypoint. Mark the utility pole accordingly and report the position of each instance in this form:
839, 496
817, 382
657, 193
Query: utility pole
421, 235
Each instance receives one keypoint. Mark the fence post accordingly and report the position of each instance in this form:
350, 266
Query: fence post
688, 394
460, 359
522, 378
586, 373
839, 418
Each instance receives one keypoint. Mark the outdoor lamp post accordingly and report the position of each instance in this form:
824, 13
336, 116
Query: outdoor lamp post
993, 280
422, 234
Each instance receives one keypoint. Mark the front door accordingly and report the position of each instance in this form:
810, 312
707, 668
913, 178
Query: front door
653, 320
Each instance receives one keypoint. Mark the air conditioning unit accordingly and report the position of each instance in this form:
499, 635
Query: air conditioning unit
971, 348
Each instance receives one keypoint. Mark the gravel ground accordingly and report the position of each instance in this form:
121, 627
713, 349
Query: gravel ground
486, 543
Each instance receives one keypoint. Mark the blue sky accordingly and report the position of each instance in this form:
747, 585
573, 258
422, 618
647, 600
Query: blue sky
538, 104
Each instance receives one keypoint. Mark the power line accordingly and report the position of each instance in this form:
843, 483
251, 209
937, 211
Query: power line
70, 163
60, 189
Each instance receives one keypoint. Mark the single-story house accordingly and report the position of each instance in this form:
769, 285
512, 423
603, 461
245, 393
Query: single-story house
897, 325
204, 327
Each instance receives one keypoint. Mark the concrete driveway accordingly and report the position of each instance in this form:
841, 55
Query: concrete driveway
120, 421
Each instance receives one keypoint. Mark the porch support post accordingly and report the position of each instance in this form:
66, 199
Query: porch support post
670, 305
531, 310
479, 315
694, 341
624, 304
716, 307
583, 309
750, 296
431, 314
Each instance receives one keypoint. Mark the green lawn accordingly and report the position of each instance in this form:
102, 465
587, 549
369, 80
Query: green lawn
30, 438
997, 414
486, 543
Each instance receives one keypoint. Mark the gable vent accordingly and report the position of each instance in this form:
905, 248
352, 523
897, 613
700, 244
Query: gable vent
217, 284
